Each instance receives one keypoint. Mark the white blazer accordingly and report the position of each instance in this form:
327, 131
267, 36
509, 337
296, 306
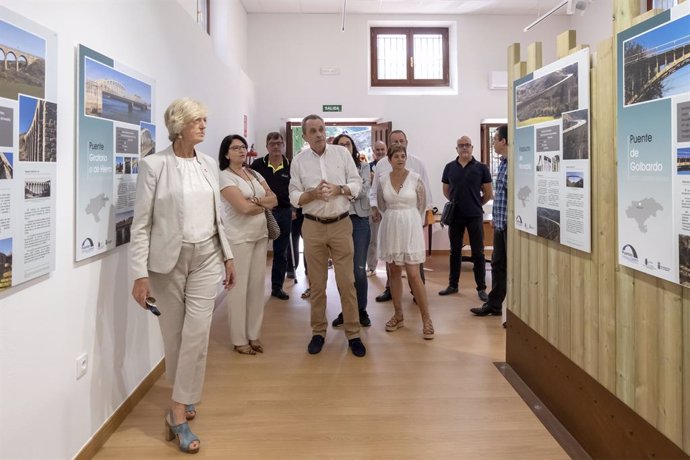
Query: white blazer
156, 235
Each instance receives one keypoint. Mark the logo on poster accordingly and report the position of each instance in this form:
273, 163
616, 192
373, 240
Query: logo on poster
87, 245
629, 253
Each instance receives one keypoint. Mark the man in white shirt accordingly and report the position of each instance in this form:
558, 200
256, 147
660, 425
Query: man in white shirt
397, 137
323, 180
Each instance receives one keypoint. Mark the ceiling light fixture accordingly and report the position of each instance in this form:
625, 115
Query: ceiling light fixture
571, 7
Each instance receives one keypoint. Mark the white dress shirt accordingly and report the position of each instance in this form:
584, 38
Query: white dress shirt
336, 166
198, 206
383, 167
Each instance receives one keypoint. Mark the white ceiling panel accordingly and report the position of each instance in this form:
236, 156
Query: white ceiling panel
507, 7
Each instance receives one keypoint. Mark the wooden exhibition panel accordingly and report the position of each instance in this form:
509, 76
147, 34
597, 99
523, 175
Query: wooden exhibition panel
627, 330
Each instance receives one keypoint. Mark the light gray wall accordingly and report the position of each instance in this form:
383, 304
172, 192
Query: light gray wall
287, 50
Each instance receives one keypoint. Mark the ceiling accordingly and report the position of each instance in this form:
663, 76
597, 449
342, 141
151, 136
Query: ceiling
417, 7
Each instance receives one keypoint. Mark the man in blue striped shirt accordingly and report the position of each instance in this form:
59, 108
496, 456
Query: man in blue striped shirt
493, 306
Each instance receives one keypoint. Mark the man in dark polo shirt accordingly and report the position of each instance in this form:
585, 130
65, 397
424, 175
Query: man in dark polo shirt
467, 183
275, 168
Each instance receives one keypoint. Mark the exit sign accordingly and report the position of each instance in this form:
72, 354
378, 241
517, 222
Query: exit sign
333, 108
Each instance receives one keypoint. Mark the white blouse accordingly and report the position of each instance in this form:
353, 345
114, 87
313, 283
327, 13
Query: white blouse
199, 208
243, 228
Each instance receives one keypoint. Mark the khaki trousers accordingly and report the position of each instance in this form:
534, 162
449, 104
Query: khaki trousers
245, 301
185, 297
322, 241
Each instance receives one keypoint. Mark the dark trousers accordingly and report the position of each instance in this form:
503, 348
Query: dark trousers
360, 239
280, 247
456, 233
293, 262
499, 265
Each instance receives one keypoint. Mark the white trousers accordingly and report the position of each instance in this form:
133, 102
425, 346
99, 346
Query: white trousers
246, 300
185, 297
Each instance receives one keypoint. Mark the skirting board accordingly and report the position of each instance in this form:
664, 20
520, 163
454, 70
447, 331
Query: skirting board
110, 426
600, 422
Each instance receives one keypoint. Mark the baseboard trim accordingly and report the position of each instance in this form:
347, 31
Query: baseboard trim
111, 425
545, 416
600, 422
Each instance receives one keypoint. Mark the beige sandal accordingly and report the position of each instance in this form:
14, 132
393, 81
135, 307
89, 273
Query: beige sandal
394, 324
256, 345
428, 330
245, 349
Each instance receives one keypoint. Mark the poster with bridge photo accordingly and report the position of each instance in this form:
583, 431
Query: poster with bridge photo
114, 102
552, 152
28, 149
653, 137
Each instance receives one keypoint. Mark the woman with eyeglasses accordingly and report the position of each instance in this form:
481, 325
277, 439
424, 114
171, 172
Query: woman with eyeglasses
361, 234
402, 200
177, 250
246, 197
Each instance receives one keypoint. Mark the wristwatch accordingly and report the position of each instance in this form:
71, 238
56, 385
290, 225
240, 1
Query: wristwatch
342, 190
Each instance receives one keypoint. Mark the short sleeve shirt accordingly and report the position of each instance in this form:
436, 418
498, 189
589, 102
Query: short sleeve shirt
466, 185
242, 228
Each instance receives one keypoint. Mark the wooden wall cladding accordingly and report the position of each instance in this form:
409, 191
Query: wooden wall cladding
603, 425
630, 332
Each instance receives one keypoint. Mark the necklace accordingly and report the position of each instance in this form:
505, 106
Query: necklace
246, 178
398, 177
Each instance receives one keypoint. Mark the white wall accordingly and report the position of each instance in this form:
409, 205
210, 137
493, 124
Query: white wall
595, 25
286, 52
85, 307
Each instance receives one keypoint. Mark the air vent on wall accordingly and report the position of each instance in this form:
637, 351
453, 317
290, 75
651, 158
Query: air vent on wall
498, 79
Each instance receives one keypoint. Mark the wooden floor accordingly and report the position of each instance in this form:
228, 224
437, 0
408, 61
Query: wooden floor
407, 399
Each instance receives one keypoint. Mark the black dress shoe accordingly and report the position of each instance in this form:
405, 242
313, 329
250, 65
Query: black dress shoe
486, 310
364, 320
279, 293
385, 296
338, 321
482, 295
449, 290
357, 347
315, 345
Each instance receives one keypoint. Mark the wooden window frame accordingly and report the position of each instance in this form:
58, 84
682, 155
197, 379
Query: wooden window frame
410, 32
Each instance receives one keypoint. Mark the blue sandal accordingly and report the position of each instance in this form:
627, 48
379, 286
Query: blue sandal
189, 412
182, 433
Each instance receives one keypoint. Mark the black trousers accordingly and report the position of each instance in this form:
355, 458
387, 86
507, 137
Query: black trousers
456, 233
499, 269
280, 247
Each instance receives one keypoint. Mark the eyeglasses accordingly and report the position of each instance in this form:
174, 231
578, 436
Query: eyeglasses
276, 143
237, 148
464, 146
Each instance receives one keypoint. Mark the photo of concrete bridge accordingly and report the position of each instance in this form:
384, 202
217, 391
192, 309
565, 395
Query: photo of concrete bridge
656, 64
22, 62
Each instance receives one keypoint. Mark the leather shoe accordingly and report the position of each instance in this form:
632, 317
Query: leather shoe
315, 345
364, 320
482, 295
486, 310
385, 296
279, 293
357, 347
449, 290
338, 321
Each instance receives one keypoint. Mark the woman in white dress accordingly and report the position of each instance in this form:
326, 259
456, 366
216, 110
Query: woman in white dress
401, 199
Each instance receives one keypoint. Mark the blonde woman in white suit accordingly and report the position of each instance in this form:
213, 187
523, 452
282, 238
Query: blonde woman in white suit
179, 254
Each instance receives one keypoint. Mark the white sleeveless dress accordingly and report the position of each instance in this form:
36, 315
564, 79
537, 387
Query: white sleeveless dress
401, 238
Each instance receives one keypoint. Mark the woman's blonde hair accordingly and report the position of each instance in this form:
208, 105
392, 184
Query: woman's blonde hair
179, 113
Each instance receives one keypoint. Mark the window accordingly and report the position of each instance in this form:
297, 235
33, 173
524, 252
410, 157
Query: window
413, 56
203, 11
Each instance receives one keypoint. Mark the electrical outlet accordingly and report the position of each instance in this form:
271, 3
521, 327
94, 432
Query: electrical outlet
82, 365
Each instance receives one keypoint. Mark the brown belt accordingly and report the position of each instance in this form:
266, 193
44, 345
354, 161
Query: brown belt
327, 220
